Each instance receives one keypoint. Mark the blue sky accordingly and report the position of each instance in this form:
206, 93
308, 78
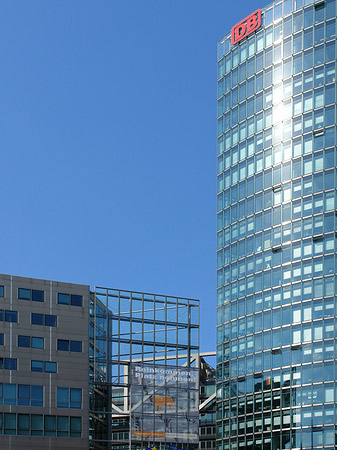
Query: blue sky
108, 143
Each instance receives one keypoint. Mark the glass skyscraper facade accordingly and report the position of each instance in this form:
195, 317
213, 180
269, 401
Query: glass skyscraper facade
276, 231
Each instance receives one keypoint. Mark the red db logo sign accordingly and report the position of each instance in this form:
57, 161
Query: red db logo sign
246, 27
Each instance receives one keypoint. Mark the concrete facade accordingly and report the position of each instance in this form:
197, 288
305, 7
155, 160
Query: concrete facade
17, 432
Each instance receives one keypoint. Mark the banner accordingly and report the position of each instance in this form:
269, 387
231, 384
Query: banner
164, 403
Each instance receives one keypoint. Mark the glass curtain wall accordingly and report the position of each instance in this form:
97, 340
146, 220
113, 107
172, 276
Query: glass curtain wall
276, 231
158, 334
207, 409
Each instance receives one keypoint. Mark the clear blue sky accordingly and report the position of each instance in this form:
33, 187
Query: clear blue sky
108, 143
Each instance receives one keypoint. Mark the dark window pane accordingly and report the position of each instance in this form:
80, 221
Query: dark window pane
76, 398
23, 341
37, 319
75, 427
36, 396
9, 423
1, 291
62, 397
10, 364
11, 316
76, 300
63, 299
1, 315
23, 424
23, 394
37, 366
24, 294
37, 424
1, 339
37, 296
50, 321
76, 346
62, 426
50, 425
62, 345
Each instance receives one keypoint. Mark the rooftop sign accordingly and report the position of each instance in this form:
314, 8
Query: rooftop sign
246, 27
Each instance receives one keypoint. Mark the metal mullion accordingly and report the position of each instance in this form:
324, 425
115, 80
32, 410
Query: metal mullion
177, 329
119, 332
108, 369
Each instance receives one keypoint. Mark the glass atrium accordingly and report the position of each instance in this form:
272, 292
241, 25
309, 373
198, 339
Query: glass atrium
135, 333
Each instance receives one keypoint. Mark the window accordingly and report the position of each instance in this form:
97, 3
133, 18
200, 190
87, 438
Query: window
62, 397
43, 366
75, 427
36, 425
75, 346
50, 321
2, 291
36, 395
36, 366
33, 342
50, 367
9, 423
23, 394
37, 319
76, 300
23, 424
50, 425
44, 319
38, 342
75, 398
23, 294
37, 296
66, 299
63, 345
1, 339
62, 426
39, 425
9, 394
11, 316
34, 295
23, 341
29, 395
63, 299
69, 398
10, 364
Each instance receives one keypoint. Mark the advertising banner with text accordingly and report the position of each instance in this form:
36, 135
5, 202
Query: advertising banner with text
164, 403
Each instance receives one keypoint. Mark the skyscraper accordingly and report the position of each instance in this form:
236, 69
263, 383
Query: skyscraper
276, 276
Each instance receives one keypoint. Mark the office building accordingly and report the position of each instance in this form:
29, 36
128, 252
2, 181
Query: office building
44, 364
276, 304
100, 369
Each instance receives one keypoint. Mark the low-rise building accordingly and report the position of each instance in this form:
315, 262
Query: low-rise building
100, 369
44, 373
